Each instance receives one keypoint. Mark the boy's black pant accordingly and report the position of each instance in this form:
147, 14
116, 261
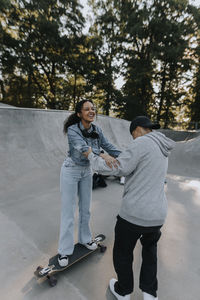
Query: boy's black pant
126, 236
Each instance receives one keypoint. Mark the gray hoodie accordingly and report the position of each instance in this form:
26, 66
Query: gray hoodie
145, 165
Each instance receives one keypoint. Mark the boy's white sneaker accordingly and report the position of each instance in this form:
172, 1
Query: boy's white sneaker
149, 297
112, 288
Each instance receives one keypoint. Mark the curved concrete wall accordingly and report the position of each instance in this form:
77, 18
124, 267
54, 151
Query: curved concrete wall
33, 138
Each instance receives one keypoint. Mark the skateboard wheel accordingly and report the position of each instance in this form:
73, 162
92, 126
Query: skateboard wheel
103, 249
52, 281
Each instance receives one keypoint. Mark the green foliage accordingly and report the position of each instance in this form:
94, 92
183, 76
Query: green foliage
106, 27
36, 48
157, 38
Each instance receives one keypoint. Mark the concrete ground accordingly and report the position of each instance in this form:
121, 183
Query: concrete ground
32, 148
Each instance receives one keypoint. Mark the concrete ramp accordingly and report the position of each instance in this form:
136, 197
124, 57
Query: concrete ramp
180, 136
32, 149
185, 159
33, 139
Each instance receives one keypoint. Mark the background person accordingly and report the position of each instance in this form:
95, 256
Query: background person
76, 177
144, 206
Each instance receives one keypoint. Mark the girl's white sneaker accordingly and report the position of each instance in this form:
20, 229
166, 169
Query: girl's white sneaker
91, 245
63, 260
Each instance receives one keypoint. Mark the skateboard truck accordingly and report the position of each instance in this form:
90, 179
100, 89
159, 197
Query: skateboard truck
44, 271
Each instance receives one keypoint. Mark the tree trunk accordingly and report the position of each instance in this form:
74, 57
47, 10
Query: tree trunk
167, 115
74, 90
2, 90
162, 96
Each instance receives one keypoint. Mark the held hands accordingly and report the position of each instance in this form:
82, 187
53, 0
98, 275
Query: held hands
110, 161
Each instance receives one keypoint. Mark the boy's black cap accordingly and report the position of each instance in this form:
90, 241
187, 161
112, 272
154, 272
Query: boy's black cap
144, 122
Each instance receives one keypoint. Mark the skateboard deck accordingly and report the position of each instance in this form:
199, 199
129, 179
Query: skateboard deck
80, 251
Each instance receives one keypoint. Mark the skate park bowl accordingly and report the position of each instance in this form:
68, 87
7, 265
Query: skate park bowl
32, 149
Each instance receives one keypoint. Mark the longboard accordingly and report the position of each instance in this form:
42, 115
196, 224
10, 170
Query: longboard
80, 251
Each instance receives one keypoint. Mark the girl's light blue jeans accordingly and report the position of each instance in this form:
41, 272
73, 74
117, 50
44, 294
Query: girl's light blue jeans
75, 180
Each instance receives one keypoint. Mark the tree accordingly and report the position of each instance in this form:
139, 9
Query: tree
106, 30
43, 45
157, 35
173, 28
138, 58
194, 112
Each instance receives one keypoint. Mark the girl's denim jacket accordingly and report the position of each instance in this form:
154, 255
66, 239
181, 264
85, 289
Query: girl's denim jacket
79, 144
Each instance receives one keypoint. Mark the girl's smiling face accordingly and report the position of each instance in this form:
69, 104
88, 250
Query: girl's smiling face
88, 113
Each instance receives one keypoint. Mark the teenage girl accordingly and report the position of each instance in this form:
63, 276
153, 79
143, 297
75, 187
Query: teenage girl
76, 176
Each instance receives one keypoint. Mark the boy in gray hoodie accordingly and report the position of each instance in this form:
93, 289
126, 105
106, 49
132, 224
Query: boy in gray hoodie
144, 206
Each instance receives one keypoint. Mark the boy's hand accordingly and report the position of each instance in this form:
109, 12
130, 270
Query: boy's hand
110, 161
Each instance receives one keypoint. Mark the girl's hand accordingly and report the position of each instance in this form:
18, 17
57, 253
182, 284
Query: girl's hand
88, 152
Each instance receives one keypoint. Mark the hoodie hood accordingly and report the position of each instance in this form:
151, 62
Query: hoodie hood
165, 144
